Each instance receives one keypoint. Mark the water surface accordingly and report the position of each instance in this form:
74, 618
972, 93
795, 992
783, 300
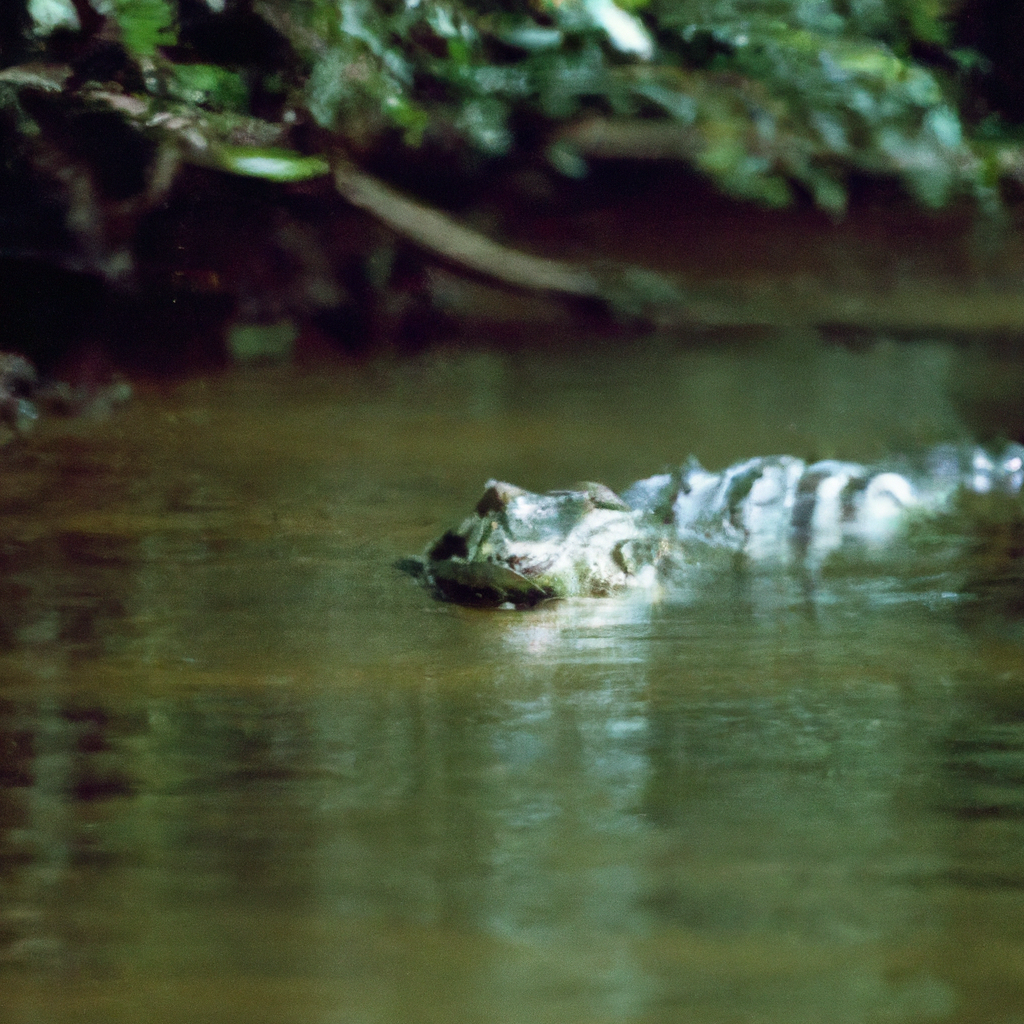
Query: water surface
250, 772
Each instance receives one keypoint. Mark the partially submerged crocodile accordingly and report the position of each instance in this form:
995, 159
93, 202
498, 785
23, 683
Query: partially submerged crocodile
519, 548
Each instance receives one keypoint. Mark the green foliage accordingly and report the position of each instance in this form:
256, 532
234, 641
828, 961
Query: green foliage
769, 98
774, 92
270, 163
359, 64
898, 23
145, 24
208, 85
49, 15
845, 100
273, 342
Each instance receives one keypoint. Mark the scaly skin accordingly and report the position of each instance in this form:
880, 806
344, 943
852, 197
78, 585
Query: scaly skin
519, 548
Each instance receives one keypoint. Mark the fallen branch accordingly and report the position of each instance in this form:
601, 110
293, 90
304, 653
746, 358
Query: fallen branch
251, 146
211, 139
456, 243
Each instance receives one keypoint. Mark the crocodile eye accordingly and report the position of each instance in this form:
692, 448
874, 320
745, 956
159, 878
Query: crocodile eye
497, 497
622, 556
451, 545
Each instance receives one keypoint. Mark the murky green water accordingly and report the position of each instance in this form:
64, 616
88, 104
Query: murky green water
249, 772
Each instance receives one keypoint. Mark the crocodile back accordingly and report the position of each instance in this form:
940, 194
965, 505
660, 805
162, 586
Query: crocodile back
781, 509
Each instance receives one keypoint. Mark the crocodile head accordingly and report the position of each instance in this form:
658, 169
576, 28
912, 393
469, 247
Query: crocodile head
520, 548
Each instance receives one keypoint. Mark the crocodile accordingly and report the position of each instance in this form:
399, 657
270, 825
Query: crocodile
519, 548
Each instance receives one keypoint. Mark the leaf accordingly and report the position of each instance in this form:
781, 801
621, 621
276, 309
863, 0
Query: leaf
271, 342
829, 194
269, 163
49, 15
680, 105
944, 125
528, 35
326, 87
566, 159
144, 24
625, 32
485, 121
209, 85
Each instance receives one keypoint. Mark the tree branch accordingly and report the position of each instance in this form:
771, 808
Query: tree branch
452, 241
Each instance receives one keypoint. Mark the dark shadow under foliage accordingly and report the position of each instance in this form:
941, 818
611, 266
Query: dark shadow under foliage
133, 135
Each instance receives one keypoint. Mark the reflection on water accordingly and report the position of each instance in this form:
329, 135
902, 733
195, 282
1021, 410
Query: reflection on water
250, 773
